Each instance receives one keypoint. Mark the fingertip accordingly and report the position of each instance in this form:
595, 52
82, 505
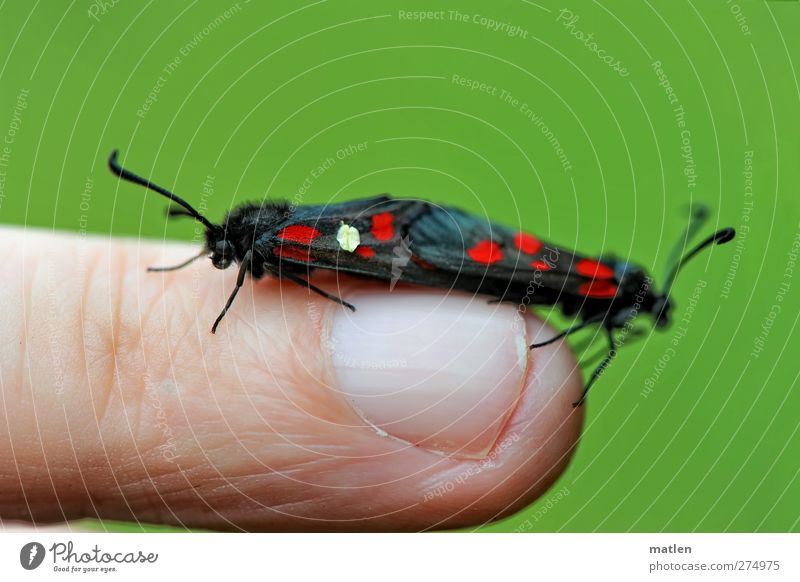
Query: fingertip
482, 425
535, 446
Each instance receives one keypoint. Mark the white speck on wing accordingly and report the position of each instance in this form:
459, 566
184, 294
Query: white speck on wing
348, 237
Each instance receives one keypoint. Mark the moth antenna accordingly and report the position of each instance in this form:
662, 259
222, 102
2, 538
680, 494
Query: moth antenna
720, 237
175, 211
129, 176
698, 215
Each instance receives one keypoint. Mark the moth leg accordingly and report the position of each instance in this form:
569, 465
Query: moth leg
315, 289
583, 347
176, 267
612, 353
569, 331
243, 269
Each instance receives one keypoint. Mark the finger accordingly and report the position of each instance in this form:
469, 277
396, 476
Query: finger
422, 409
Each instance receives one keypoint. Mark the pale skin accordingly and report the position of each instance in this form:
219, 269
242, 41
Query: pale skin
116, 402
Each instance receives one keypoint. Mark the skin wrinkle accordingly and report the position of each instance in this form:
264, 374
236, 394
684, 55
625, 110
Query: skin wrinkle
295, 362
50, 490
157, 482
88, 277
262, 484
102, 346
103, 390
142, 497
162, 482
29, 278
148, 332
294, 504
145, 490
128, 391
290, 497
134, 332
120, 343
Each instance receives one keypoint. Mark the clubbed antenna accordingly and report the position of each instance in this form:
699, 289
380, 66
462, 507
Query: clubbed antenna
720, 237
698, 216
131, 177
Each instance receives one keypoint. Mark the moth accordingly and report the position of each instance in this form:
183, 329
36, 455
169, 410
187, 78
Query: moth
418, 242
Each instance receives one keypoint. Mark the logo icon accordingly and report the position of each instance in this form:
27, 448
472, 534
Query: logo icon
402, 254
31, 555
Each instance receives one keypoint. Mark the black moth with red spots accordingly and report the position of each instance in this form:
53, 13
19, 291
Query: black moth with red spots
413, 241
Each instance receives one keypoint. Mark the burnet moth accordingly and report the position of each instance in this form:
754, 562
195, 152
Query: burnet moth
413, 241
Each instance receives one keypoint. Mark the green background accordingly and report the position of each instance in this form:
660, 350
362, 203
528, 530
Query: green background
269, 92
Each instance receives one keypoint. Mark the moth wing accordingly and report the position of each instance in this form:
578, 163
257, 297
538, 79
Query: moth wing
327, 240
464, 244
418, 242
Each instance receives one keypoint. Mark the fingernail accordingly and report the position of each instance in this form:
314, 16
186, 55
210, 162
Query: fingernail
442, 372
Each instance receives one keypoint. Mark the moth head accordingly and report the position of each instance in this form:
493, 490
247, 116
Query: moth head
660, 310
223, 254
221, 251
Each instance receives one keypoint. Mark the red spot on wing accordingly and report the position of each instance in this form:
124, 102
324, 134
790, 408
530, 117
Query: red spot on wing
382, 226
423, 263
299, 233
527, 243
293, 252
486, 252
541, 266
598, 289
365, 252
594, 269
